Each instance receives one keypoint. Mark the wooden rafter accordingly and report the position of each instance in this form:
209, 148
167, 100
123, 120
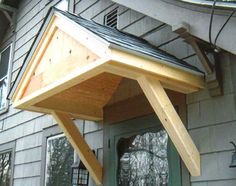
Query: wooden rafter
79, 144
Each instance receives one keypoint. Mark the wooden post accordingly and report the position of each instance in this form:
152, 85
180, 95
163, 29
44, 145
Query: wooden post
171, 121
79, 144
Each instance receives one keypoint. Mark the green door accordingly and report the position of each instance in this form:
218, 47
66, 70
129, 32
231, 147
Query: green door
138, 152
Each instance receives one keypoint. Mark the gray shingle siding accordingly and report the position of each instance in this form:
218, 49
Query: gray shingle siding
211, 121
212, 124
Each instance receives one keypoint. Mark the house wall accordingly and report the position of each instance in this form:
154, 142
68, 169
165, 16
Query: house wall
212, 125
210, 120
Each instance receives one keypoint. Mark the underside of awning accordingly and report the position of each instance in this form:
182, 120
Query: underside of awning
73, 72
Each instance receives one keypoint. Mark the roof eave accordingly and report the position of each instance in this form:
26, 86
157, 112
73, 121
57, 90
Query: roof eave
195, 72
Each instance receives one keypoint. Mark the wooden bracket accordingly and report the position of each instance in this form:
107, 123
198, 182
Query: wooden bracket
79, 144
7, 8
10, 14
171, 121
213, 80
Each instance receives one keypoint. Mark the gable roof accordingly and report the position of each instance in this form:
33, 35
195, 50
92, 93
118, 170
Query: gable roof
125, 40
114, 37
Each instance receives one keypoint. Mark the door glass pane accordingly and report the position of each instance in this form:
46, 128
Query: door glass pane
60, 157
143, 160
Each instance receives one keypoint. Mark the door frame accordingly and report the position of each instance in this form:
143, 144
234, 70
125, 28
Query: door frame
129, 128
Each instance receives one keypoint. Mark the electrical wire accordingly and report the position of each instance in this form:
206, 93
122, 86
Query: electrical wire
221, 29
218, 34
211, 21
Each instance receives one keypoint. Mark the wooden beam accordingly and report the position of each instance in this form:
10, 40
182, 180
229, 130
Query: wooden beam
201, 55
127, 109
79, 144
133, 73
158, 68
78, 108
172, 123
68, 81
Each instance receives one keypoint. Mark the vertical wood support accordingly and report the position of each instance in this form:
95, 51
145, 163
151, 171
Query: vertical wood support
171, 121
79, 144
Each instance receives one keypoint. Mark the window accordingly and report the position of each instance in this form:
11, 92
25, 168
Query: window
4, 70
6, 165
59, 159
111, 19
5, 168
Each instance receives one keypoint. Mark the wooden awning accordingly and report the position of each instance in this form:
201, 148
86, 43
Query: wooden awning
75, 66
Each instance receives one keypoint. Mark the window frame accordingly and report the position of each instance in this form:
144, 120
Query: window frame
52, 131
5, 109
9, 147
49, 132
